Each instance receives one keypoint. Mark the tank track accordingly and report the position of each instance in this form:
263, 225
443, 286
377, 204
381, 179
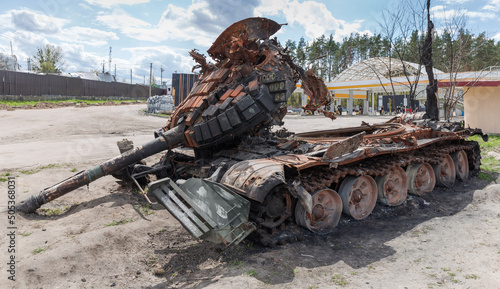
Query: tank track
316, 178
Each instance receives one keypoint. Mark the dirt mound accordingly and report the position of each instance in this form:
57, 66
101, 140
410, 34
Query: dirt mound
43, 104
27, 106
109, 103
65, 104
5, 107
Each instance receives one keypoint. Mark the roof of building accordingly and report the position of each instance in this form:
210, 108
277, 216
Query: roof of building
380, 67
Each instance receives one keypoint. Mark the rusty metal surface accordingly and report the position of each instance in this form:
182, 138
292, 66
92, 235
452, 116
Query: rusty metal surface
255, 177
250, 28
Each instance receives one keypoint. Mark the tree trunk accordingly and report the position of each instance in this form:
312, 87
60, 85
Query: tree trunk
431, 104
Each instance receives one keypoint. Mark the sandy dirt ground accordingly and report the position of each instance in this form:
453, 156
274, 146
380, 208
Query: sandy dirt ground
106, 235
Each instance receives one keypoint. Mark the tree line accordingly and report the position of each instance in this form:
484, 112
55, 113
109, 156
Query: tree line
328, 57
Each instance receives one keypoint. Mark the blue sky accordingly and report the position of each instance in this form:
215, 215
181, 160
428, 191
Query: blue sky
162, 32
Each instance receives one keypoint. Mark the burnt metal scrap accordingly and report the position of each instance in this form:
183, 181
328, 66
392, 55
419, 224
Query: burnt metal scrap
235, 178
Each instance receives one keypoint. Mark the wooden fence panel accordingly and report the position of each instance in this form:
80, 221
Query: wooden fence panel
26, 84
74, 86
2, 82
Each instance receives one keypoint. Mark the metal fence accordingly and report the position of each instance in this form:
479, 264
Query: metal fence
26, 84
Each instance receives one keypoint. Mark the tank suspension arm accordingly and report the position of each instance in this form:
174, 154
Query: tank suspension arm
166, 140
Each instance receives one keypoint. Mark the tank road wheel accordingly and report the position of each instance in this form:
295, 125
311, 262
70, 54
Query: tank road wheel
275, 209
392, 187
421, 178
461, 164
359, 196
445, 172
326, 211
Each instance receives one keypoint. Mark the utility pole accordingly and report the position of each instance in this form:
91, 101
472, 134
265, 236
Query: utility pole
29, 64
150, 74
130, 75
11, 51
109, 65
144, 79
103, 66
115, 72
161, 74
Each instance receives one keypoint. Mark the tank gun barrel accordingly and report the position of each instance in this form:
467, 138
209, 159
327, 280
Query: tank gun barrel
166, 140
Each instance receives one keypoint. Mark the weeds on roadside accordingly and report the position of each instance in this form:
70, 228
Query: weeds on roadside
39, 250
251, 272
339, 280
119, 222
36, 170
53, 212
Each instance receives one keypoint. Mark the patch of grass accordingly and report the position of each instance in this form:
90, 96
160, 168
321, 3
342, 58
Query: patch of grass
36, 170
53, 211
490, 166
39, 250
339, 280
73, 170
33, 102
354, 273
294, 272
446, 269
236, 262
26, 234
29, 171
418, 260
486, 176
119, 222
451, 274
471, 276
455, 281
251, 272
146, 210
2, 179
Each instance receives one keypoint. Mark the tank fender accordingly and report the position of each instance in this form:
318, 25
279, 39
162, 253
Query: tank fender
255, 177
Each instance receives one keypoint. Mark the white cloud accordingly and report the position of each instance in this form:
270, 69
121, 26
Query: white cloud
76, 58
317, 20
171, 59
111, 3
30, 21
455, 1
119, 19
86, 7
442, 13
271, 8
493, 5
497, 37
87, 36
201, 22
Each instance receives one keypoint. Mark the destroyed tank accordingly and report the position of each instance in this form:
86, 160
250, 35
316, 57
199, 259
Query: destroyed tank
226, 175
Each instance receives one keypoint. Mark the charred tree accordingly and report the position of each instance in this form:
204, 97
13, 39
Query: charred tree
431, 104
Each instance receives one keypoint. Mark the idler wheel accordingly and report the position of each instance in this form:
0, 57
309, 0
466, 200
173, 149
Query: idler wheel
392, 187
421, 178
461, 164
445, 172
359, 196
326, 211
